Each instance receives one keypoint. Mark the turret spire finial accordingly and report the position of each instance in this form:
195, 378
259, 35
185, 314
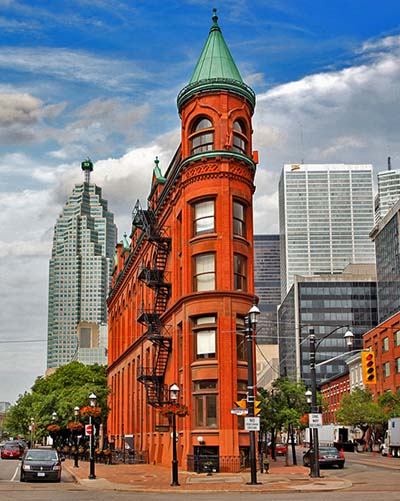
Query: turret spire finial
215, 17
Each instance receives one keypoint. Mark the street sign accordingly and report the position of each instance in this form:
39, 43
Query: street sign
239, 411
257, 408
315, 420
88, 429
241, 403
252, 423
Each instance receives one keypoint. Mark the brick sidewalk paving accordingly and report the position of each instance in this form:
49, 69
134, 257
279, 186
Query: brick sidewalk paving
145, 477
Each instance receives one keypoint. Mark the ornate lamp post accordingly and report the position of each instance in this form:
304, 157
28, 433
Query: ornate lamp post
76, 455
92, 402
32, 428
349, 336
251, 324
173, 396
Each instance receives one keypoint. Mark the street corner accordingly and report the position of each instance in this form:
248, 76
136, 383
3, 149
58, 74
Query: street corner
322, 484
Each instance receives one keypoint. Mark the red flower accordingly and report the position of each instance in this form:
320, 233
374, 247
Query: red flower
72, 425
88, 410
53, 428
177, 409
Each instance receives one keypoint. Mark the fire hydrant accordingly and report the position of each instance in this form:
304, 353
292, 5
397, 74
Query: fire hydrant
266, 465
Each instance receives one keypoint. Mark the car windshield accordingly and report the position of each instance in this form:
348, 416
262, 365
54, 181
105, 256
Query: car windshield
41, 455
328, 450
12, 447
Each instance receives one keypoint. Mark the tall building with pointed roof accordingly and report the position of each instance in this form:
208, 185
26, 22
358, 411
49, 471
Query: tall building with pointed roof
181, 293
80, 271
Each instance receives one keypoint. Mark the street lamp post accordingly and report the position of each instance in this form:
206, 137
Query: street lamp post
92, 401
32, 428
309, 402
349, 336
54, 432
76, 455
251, 324
173, 396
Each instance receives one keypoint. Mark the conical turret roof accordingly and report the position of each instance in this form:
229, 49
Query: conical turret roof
215, 69
215, 60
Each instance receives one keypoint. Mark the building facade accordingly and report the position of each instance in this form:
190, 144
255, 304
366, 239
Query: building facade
325, 303
326, 212
332, 392
267, 285
386, 236
80, 272
388, 191
384, 341
183, 288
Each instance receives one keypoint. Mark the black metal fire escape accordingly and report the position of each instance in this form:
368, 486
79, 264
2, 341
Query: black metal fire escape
152, 274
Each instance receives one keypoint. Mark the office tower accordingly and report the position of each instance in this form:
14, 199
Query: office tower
386, 236
80, 271
388, 191
268, 290
267, 285
326, 212
325, 303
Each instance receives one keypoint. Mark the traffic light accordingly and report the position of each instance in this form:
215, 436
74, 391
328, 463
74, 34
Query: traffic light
368, 367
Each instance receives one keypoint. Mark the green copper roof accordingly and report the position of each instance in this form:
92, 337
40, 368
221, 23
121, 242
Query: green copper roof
216, 69
215, 60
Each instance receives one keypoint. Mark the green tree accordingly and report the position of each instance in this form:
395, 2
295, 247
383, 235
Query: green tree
69, 386
282, 409
358, 409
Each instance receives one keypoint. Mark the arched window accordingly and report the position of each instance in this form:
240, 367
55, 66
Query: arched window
201, 136
239, 137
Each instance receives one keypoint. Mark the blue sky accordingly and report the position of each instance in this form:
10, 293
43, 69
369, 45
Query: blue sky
99, 78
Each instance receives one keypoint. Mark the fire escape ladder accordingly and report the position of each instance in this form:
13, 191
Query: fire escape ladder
153, 275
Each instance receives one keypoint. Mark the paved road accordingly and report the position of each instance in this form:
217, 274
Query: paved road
372, 477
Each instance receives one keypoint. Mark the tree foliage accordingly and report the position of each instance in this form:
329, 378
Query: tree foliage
69, 386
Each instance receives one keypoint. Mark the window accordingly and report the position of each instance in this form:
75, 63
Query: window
241, 346
205, 403
204, 330
239, 137
201, 137
203, 217
397, 365
239, 222
397, 337
385, 344
386, 369
240, 272
204, 275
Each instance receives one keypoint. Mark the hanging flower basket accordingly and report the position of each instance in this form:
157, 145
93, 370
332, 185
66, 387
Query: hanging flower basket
178, 410
74, 426
88, 411
53, 428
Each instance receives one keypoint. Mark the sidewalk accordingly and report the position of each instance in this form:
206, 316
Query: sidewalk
155, 478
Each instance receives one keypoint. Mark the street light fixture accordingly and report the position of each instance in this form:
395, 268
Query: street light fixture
251, 324
349, 337
173, 396
32, 428
92, 402
76, 455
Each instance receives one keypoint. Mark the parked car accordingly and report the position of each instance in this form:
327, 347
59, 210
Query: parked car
11, 450
41, 464
328, 456
280, 449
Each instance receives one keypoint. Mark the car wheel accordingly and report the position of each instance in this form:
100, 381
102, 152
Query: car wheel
341, 466
22, 478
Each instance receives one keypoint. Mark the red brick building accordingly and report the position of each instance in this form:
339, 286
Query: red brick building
384, 340
332, 392
183, 285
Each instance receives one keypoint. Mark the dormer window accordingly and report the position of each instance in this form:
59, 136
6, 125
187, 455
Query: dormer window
239, 137
201, 136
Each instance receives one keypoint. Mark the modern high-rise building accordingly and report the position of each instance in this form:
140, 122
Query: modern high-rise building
329, 304
268, 290
326, 212
386, 236
267, 285
388, 191
80, 272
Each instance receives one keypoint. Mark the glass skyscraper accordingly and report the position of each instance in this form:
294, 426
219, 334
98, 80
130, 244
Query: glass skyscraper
388, 191
80, 271
326, 212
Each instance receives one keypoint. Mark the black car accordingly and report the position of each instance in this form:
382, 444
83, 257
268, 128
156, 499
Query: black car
328, 456
41, 464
